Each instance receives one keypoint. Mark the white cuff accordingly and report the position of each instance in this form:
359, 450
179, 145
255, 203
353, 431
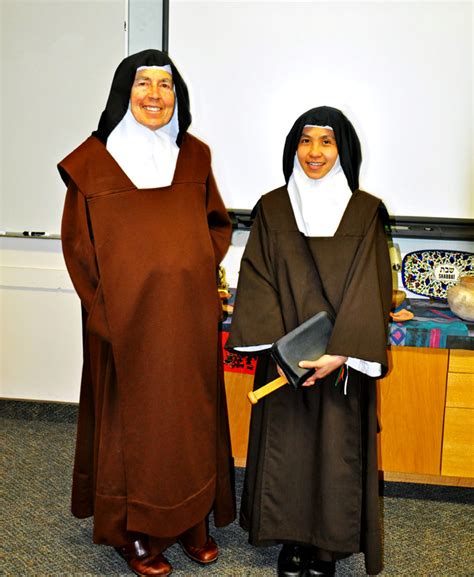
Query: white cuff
369, 368
252, 349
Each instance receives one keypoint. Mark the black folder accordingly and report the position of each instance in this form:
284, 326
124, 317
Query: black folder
307, 342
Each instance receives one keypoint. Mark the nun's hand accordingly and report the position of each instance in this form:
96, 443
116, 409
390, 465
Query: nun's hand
324, 366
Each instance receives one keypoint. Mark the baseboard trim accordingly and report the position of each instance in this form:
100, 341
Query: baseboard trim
426, 479
38, 410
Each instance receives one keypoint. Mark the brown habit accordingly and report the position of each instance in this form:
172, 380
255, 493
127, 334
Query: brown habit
312, 463
153, 452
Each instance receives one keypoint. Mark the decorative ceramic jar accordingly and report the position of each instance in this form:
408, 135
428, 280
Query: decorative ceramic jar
461, 298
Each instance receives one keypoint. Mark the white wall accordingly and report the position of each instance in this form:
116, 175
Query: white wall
145, 25
402, 70
40, 323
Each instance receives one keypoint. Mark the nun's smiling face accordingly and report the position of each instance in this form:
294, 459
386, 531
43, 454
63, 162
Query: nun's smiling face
152, 97
317, 151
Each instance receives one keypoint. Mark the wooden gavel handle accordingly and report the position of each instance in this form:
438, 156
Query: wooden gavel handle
254, 396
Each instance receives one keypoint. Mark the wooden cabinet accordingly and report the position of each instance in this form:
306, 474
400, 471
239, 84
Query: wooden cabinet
426, 413
411, 401
237, 386
458, 439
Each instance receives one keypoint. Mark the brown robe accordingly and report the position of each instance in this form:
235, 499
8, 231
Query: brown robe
153, 448
311, 471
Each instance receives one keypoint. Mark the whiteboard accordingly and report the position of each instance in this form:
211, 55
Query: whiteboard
400, 70
57, 62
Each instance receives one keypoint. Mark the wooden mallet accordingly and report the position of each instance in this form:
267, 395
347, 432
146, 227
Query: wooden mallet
308, 341
255, 396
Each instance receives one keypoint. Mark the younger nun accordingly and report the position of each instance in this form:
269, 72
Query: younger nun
317, 243
143, 232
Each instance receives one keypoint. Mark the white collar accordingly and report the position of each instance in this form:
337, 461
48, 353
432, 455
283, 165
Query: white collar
318, 204
148, 157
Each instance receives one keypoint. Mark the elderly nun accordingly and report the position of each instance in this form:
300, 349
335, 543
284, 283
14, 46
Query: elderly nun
143, 231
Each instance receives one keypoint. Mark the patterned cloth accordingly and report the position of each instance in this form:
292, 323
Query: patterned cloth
234, 362
434, 325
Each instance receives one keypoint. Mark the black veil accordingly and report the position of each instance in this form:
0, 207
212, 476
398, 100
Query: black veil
119, 97
347, 141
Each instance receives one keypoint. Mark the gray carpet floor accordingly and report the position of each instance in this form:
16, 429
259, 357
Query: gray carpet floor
428, 530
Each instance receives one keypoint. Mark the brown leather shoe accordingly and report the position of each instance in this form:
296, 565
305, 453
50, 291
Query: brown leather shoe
208, 553
142, 563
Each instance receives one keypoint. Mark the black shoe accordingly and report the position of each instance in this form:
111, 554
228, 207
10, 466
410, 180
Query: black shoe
292, 561
316, 567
